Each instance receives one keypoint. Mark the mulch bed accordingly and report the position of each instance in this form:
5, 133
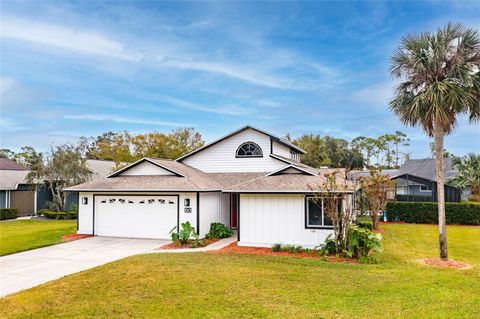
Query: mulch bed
234, 248
444, 263
186, 246
71, 237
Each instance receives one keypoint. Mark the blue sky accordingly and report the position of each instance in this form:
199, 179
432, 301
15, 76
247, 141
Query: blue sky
71, 69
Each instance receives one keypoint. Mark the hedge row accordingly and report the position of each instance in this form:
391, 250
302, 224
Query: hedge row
414, 198
463, 213
58, 215
8, 213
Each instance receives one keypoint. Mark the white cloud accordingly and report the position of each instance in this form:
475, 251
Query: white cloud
7, 84
121, 119
174, 54
228, 110
8, 125
64, 37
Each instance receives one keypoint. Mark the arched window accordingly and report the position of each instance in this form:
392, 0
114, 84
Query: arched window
249, 149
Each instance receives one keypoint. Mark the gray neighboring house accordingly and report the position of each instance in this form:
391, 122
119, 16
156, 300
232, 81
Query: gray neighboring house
15, 192
417, 180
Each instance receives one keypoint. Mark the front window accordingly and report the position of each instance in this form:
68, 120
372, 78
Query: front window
249, 149
425, 188
315, 215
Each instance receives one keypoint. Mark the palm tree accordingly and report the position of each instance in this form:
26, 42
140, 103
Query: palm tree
468, 174
440, 75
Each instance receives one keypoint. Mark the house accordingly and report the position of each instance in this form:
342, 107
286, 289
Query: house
27, 198
417, 180
250, 180
16, 192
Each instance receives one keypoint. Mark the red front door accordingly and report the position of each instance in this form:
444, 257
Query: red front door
233, 210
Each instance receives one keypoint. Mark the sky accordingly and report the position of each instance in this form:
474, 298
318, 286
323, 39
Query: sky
71, 69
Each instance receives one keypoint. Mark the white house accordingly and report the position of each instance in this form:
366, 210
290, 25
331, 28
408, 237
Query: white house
250, 180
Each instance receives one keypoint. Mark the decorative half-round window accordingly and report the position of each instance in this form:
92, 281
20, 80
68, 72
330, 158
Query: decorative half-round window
249, 149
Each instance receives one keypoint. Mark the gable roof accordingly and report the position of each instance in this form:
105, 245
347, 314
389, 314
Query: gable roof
156, 162
185, 178
8, 164
294, 167
425, 168
246, 127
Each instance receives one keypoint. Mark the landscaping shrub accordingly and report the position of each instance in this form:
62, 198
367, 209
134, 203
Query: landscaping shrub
57, 215
361, 242
8, 213
276, 248
183, 236
463, 213
365, 222
328, 247
413, 198
219, 230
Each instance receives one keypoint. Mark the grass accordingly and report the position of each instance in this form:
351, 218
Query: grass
203, 285
21, 235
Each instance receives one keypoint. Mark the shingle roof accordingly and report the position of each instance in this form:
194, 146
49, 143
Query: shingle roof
196, 180
9, 179
8, 164
100, 168
425, 168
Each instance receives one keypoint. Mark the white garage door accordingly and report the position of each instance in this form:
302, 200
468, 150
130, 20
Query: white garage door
135, 216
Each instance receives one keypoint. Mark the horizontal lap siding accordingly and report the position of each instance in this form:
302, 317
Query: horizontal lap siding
268, 219
221, 156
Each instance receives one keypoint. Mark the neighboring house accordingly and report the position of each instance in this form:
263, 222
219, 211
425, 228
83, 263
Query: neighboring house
15, 192
98, 169
417, 180
249, 180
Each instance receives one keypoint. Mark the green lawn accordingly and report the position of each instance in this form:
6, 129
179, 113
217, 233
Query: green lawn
20, 235
203, 285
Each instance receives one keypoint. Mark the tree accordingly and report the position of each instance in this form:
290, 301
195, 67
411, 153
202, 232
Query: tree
316, 150
468, 174
124, 147
29, 158
62, 167
440, 75
336, 204
378, 189
446, 154
6, 153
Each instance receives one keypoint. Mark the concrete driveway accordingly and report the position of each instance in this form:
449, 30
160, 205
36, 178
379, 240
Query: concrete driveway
31, 268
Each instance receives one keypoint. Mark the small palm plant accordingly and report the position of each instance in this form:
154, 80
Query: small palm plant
441, 80
468, 174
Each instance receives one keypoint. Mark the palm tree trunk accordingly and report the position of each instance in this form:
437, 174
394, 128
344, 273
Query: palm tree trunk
439, 135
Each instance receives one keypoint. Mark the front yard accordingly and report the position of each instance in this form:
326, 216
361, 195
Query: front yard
208, 285
21, 235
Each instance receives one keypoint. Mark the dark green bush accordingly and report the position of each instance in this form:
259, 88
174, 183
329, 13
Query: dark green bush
414, 198
368, 224
219, 230
463, 213
58, 215
277, 247
8, 213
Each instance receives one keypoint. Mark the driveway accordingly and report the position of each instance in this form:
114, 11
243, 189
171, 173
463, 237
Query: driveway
31, 268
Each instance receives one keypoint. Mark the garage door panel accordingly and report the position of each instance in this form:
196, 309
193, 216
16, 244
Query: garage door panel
142, 216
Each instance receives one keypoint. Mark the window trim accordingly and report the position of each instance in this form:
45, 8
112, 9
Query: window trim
248, 156
425, 190
307, 226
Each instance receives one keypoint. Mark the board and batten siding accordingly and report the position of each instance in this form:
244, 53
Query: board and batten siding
267, 219
221, 157
214, 208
